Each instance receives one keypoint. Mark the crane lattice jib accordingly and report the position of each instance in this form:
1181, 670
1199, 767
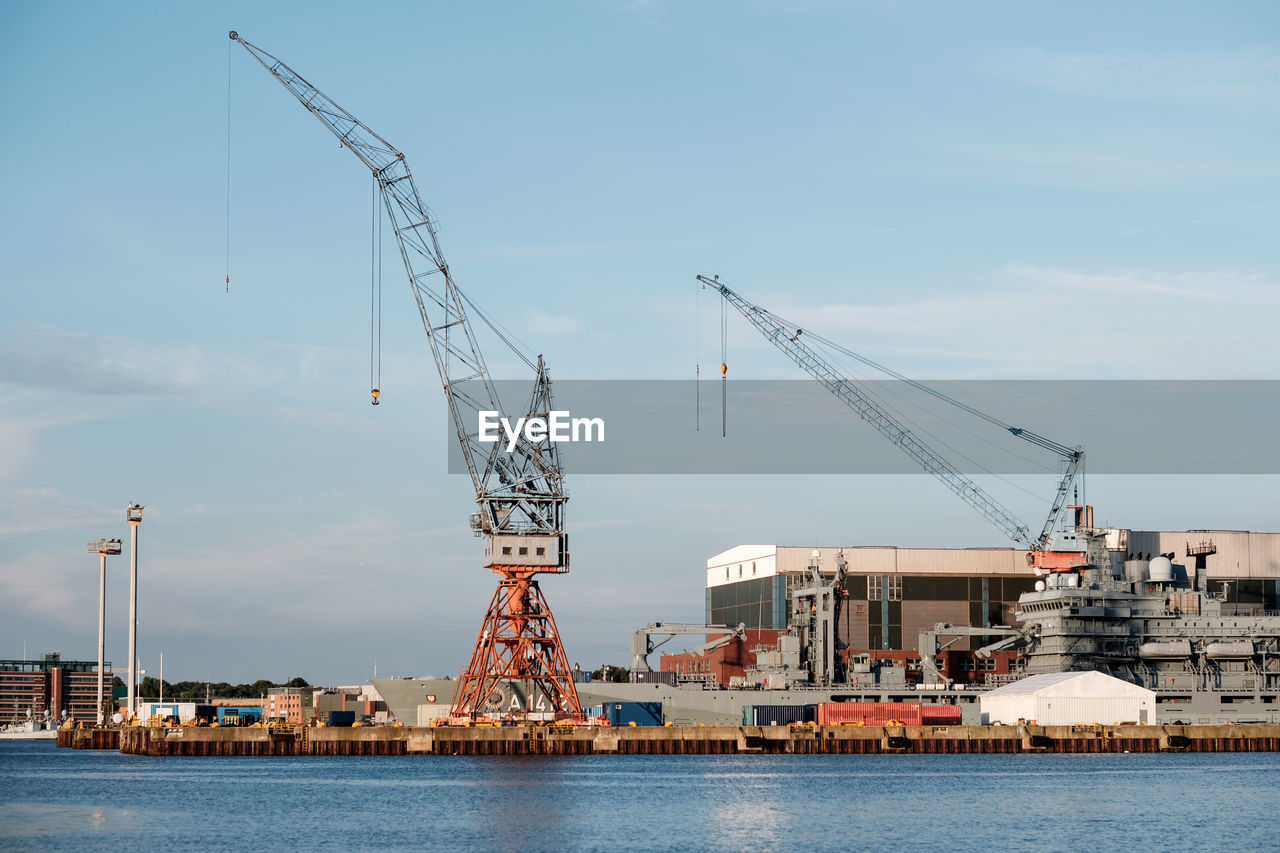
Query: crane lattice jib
847, 391
1074, 463
518, 492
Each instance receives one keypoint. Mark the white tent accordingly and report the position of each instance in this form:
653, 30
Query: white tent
1065, 698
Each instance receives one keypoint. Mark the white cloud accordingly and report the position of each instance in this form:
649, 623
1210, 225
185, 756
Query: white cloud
38, 510
331, 419
655, 13
1241, 78
50, 359
550, 325
1222, 286
1038, 322
25, 417
1042, 164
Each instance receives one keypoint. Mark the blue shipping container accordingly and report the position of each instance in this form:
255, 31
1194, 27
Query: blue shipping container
242, 715
640, 713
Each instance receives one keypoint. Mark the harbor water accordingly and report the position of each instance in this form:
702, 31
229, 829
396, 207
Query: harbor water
75, 799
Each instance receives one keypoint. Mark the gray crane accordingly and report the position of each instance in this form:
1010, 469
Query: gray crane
792, 341
520, 493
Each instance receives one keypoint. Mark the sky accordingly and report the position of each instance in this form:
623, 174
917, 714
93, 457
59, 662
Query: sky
960, 191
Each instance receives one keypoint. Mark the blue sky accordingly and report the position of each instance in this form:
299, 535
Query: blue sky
960, 191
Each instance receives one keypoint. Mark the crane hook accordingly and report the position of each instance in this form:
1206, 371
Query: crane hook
375, 392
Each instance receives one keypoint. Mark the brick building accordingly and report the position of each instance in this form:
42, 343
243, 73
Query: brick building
50, 685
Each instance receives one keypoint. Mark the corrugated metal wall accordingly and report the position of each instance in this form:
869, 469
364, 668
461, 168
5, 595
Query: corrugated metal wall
1065, 710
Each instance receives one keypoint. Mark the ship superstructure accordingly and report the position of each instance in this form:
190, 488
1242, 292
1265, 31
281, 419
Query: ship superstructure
1154, 626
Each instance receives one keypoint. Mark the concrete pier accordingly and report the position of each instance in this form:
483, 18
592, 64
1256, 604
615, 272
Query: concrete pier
676, 740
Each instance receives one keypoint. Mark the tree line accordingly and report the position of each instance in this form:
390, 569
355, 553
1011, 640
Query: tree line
198, 690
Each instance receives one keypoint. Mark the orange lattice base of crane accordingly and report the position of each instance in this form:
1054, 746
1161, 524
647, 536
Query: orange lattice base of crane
518, 670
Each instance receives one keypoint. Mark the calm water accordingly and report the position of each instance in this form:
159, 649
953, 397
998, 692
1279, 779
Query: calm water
69, 799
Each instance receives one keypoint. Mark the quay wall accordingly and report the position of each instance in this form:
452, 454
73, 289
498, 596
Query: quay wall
685, 740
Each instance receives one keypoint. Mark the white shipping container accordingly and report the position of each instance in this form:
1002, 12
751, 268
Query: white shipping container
185, 711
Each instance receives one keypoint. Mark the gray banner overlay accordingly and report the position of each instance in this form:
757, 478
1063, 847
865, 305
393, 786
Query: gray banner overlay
801, 427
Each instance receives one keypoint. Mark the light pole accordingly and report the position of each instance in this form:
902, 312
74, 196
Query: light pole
135, 518
102, 548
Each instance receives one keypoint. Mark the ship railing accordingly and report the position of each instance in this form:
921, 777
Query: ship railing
998, 679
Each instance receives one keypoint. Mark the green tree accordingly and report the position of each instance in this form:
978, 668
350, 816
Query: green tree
150, 688
609, 672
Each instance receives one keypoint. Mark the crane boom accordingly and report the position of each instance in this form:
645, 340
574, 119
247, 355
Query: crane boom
519, 493
792, 343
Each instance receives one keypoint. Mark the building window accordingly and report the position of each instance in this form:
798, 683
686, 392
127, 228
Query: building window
542, 552
506, 550
726, 572
524, 551
895, 587
875, 588
739, 569
753, 567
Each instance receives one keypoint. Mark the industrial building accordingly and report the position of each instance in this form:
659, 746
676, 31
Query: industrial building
32, 689
284, 703
891, 594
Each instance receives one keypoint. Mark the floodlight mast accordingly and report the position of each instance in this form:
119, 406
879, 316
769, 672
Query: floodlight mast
520, 494
103, 548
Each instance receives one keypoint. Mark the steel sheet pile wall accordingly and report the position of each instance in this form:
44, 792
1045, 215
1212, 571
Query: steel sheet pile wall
684, 740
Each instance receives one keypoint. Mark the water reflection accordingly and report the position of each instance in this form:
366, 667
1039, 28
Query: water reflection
53, 798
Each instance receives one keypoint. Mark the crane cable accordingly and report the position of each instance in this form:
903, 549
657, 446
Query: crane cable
517, 346
832, 348
228, 245
724, 367
697, 360
375, 295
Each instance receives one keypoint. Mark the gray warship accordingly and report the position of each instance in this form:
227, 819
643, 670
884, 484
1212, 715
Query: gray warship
1142, 619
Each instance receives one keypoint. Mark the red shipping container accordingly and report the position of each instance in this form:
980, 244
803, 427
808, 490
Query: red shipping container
939, 715
868, 713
